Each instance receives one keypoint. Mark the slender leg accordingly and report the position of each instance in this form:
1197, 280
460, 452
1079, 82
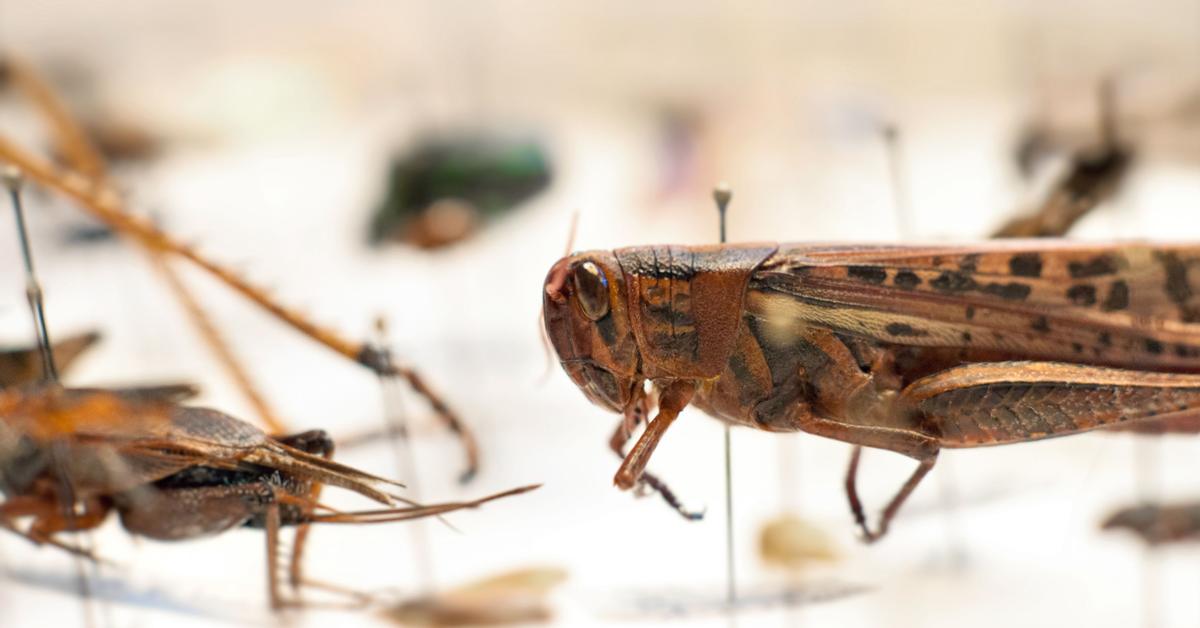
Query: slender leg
86, 182
443, 412
217, 343
672, 401
271, 526
632, 418
48, 520
893, 506
314, 442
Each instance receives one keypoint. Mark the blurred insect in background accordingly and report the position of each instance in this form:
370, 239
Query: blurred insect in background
905, 348
446, 189
83, 178
23, 365
1158, 524
70, 457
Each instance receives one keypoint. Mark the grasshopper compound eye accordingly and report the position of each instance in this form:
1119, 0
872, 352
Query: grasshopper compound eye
591, 288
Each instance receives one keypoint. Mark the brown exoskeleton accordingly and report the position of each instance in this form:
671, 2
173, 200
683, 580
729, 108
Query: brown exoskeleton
905, 348
70, 457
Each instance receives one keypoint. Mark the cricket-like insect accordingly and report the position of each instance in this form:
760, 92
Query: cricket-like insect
83, 178
906, 348
23, 365
70, 457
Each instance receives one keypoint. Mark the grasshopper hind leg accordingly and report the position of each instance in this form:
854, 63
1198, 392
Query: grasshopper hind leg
889, 512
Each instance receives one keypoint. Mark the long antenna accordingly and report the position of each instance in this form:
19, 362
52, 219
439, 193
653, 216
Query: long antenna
33, 290
722, 195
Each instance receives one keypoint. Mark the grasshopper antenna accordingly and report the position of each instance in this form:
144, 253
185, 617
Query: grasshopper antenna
722, 194
33, 291
547, 352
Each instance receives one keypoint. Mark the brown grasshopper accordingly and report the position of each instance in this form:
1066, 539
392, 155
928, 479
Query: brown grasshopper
70, 457
906, 348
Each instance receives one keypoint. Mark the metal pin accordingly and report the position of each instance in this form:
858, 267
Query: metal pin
33, 291
900, 203
13, 180
396, 426
722, 194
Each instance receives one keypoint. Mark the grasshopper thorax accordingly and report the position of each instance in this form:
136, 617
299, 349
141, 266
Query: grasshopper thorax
618, 318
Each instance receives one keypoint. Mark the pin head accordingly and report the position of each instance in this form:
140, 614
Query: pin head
722, 194
12, 177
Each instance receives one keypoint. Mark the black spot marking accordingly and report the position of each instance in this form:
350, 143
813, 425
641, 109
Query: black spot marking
1082, 294
966, 336
1009, 291
1177, 284
952, 282
1118, 297
902, 329
907, 279
1026, 265
1181, 351
970, 312
869, 274
969, 263
1105, 339
1154, 346
1040, 324
1177, 287
1095, 267
1077, 347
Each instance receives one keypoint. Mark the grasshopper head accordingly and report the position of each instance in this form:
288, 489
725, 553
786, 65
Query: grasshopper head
587, 321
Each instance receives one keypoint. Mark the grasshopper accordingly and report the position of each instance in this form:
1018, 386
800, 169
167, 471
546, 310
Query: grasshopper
906, 348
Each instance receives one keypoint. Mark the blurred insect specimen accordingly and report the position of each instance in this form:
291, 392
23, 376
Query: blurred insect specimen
1158, 524
70, 457
905, 348
23, 365
83, 177
1094, 176
513, 598
446, 189
794, 543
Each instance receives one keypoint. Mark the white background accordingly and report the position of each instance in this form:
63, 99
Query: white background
282, 117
